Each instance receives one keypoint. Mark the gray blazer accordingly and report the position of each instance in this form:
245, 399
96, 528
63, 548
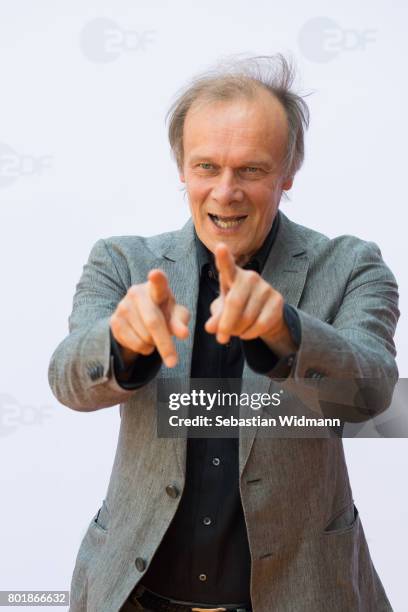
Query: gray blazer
308, 548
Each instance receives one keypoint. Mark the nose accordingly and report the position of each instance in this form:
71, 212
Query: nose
226, 190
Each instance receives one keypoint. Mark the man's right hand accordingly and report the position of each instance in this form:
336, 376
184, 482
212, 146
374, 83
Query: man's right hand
147, 318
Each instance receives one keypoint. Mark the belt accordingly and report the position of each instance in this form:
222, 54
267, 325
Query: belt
157, 603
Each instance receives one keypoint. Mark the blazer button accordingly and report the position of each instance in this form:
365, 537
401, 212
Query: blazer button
172, 491
140, 564
95, 371
314, 374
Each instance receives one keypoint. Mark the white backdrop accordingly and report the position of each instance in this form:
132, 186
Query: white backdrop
84, 154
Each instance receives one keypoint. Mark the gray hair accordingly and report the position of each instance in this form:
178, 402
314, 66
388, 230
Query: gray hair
234, 78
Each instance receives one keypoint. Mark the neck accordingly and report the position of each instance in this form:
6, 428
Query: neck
241, 260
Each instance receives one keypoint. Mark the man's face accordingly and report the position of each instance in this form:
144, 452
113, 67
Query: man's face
233, 154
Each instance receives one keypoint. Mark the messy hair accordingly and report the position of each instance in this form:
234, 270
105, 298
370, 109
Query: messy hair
236, 78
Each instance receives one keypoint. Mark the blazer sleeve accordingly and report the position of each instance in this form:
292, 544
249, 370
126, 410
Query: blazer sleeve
81, 373
347, 364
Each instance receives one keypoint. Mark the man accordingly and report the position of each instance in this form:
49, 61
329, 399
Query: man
239, 292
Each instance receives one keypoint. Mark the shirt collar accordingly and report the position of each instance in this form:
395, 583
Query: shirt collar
204, 255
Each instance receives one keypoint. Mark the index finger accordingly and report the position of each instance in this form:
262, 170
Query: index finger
159, 289
156, 327
226, 266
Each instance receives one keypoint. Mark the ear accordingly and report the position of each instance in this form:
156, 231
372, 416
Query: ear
181, 174
287, 183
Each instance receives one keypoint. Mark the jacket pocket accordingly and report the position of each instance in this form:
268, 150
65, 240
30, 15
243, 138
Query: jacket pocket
344, 520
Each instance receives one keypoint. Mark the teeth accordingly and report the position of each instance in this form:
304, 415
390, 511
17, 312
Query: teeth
223, 224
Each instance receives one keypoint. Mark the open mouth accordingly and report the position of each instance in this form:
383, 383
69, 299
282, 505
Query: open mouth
227, 222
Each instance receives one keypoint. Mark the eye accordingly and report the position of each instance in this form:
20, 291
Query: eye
252, 169
205, 165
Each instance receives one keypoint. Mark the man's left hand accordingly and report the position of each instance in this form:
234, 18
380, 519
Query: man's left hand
247, 307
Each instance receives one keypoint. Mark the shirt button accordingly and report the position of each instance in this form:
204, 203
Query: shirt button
290, 361
207, 520
216, 461
202, 577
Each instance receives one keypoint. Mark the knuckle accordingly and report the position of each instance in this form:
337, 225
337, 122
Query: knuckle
252, 277
224, 326
117, 333
278, 299
143, 333
133, 344
246, 319
134, 291
145, 349
266, 292
142, 338
122, 308
114, 323
146, 341
233, 300
151, 321
114, 317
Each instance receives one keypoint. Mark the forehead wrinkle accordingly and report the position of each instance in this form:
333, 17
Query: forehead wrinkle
225, 126
229, 148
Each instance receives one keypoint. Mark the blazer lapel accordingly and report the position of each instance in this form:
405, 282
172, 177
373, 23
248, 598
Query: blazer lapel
286, 270
180, 264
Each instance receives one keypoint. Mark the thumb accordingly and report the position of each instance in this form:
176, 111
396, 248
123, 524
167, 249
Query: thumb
216, 309
178, 323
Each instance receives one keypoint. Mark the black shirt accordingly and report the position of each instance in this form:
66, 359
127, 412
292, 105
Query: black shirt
204, 556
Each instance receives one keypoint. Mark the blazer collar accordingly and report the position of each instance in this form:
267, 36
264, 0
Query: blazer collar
289, 238
180, 243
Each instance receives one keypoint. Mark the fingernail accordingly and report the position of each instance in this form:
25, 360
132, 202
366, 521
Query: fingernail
222, 338
171, 361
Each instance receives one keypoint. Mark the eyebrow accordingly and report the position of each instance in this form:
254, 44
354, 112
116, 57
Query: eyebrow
252, 162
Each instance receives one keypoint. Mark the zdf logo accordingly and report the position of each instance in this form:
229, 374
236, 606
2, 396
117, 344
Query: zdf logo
321, 39
14, 414
14, 165
103, 40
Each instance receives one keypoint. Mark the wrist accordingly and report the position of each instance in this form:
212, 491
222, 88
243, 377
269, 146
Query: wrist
280, 339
